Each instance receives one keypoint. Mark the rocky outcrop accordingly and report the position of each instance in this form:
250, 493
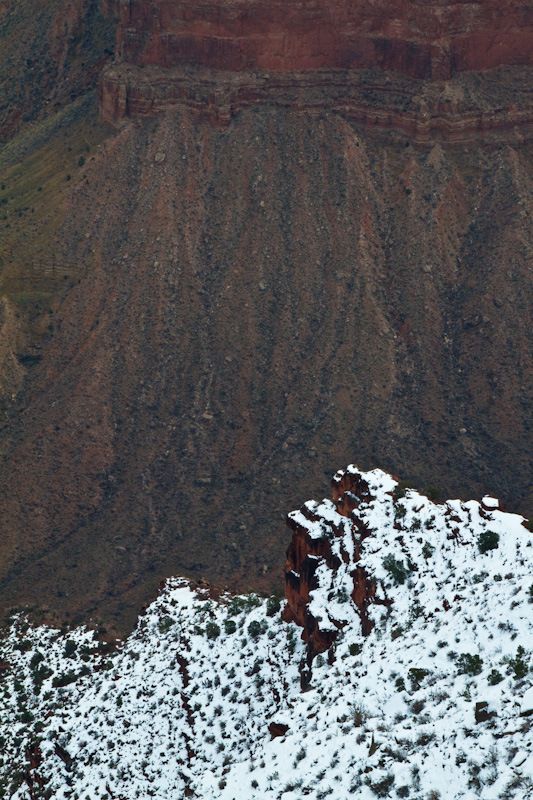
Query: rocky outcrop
322, 574
418, 38
496, 108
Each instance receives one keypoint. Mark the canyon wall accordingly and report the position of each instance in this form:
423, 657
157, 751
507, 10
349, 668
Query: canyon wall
422, 39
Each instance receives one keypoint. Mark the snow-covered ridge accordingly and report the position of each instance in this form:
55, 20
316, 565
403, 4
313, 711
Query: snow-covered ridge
204, 699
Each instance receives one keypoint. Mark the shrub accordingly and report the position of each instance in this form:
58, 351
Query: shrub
382, 788
428, 550
488, 540
36, 659
273, 606
400, 490
400, 684
468, 664
495, 677
396, 632
212, 630
518, 664
64, 679
236, 606
416, 676
355, 649
70, 648
256, 628
397, 569
165, 624
230, 626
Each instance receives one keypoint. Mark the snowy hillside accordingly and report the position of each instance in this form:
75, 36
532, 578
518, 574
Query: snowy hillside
204, 699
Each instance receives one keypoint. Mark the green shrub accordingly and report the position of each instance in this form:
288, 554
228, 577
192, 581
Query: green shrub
256, 628
400, 490
70, 648
382, 788
355, 649
518, 664
495, 677
64, 679
468, 664
212, 630
230, 626
396, 632
165, 623
428, 550
36, 660
397, 569
416, 676
488, 540
273, 606
236, 606
400, 684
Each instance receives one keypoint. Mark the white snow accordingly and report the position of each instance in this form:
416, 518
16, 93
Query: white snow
173, 711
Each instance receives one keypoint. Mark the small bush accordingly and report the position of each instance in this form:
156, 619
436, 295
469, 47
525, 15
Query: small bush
396, 569
468, 664
165, 624
355, 649
382, 788
400, 490
70, 648
64, 679
428, 550
400, 684
212, 630
230, 626
495, 677
488, 540
273, 606
416, 676
256, 628
518, 664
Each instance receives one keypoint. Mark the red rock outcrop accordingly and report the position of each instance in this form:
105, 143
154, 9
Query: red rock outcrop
419, 38
315, 527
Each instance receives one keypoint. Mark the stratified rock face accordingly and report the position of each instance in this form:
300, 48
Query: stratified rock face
349, 57
325, 587
419, 38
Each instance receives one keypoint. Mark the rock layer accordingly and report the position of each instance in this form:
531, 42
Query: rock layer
419, 38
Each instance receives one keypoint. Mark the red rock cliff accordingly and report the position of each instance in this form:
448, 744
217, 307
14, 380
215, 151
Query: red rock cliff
421, 38
320, 539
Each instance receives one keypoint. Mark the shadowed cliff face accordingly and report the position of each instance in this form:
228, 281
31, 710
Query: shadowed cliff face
261, 304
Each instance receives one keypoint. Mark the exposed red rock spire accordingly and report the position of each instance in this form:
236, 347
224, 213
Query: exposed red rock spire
315, 531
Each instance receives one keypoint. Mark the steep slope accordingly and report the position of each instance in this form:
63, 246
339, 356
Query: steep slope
204, 698
259, 303
51, 52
